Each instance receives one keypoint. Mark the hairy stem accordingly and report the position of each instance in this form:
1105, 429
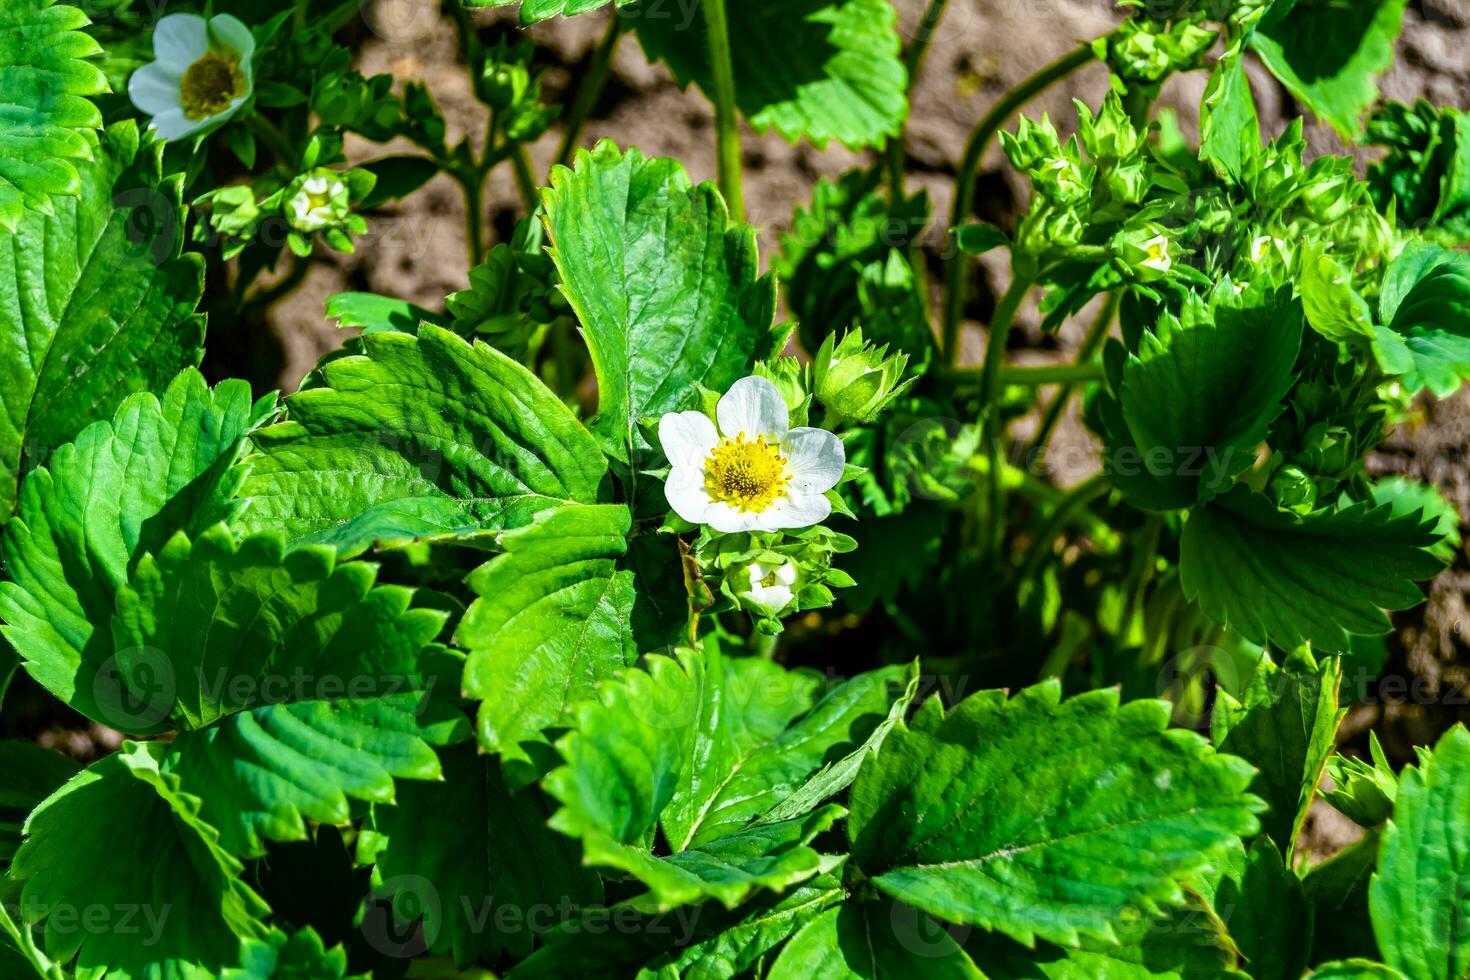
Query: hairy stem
474, 215
520, 161
913, 62
995, 350
998, 116
1075, 500
727, 118
590, 89
1096, 334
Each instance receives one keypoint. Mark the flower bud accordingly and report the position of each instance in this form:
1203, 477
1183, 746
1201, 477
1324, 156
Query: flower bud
234, 212
1110, 136
317, 200
765, 588
790, 378
1294, 490
503, 84
854, 381
1146, 252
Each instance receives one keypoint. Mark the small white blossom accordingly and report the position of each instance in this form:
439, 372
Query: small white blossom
752, 472
320, 202
766, 588
1157, 257
202, 74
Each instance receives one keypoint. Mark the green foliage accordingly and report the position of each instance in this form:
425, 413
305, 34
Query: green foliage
1341, 569
96, 299
122, 489
653, 268
47, 115
1425, 299
944, 820
560, 611
1419, 892
1328, 55
1285, 724
819, 69
424, 435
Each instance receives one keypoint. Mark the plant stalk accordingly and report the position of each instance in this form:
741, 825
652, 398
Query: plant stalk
520, 161
998, 116
1075, 500
913, 62
474, 219
1096, 334
1034, 375
995, 350
727, 118
589, 91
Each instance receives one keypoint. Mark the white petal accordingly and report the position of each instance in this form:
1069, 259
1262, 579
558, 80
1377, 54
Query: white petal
687, 438
727, 520
753, 406
814, 459
800, 510
228, 33
174, 125
154, 89
786, 573
684, 490
179, 40
772, 598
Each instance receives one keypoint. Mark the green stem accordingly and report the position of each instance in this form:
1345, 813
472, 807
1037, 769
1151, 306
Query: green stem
1032, 375
270, 134
1062, 514
590, 89
474, 214
913, 61
270, 294
727, 119
995, 350
1096, 334
20, 939
520, 161
998, 116
765, 645
1142, 573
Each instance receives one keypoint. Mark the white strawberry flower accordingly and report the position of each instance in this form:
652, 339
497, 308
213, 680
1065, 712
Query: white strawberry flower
766, 587
202, 74
752, 472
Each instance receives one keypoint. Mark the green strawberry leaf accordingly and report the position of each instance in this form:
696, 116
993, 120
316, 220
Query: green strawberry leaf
418, 436
702, 941
46, 112
874, 939
700, 747
1285, 724
1328, 54
665, 286
221, 624
96, 299
559, 612
300, 956
1356, 970
1269, 918
1185, 944
1230, 131
1338, 892
535, 11
1323, 578
1420, 895
1039, 817
30, 774
263, 772
819, 69
123, 837
1424, 305
122, 488
483, 849
1196, 397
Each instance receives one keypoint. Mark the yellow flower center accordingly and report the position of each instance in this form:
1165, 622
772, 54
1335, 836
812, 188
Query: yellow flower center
749, 476
211, 84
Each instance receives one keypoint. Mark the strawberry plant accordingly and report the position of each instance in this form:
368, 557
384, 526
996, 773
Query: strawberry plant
657, 608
